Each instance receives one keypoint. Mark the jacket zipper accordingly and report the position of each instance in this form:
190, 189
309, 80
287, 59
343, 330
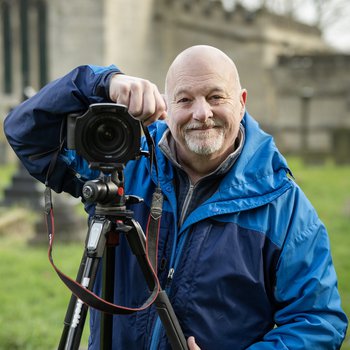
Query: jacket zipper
175, 255
186, 204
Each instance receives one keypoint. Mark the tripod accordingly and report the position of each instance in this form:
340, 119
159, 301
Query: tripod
110, 220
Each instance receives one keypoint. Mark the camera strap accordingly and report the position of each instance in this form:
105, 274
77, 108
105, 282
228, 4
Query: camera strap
152, 233
156, 206
152, 153
79, 290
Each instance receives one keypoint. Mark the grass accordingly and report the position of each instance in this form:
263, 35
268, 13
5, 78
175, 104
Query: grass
5, 175
34, 301
328, 188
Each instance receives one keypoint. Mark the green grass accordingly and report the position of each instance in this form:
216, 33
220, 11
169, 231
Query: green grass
5, 176
34, 300
328, 188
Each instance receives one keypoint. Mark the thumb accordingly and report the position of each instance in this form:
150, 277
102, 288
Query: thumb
192, 345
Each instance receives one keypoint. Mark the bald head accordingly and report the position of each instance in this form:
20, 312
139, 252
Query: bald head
205, 105
198, 60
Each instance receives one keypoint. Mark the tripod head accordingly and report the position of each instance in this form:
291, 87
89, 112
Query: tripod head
108, 191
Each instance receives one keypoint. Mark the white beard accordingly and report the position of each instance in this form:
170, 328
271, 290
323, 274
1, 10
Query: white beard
205, 142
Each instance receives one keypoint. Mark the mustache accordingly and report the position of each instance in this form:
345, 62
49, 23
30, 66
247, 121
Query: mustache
210, 123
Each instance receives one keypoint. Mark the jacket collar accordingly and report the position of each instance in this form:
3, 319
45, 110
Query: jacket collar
258, 176
167, 146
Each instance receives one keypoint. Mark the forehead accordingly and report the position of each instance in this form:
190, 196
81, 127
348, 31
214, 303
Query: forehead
200, 82
201, 69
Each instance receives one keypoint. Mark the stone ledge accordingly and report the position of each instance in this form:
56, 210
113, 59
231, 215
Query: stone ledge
16, 221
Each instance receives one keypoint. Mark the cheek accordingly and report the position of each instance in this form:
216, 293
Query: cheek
171, 121
232, 132
173, 127
176, 120
231, 124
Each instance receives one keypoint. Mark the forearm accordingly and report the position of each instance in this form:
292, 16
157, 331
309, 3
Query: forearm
34, 130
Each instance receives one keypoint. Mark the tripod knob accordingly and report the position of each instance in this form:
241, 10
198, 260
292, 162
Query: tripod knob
95, 191
88, 192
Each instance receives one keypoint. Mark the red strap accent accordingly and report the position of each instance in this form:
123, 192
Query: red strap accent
87, 296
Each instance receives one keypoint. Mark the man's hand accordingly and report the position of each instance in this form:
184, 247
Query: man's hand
192, 345
142, 97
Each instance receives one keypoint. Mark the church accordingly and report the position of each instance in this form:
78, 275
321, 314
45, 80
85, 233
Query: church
298, 87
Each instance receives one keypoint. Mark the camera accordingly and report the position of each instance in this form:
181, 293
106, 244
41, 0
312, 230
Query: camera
104, 135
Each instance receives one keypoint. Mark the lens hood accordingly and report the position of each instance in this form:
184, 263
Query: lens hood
107, 134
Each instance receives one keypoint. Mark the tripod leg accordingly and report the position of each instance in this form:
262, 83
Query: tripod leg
170, 322
77, 310
136, 241
107, 294
70, 311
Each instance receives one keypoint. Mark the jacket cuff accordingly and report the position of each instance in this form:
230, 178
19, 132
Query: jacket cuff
102, 88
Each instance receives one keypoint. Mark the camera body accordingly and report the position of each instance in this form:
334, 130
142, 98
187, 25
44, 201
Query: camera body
105, 135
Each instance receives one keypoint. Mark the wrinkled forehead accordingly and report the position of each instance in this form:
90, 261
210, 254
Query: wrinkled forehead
200, 84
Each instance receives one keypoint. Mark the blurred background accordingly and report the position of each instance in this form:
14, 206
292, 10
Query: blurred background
293, 57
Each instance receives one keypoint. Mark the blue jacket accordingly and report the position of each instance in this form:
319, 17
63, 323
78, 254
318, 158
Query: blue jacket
253, 268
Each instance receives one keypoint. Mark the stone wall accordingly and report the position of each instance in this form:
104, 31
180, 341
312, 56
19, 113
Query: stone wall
74, 35
319, 84
253, 39
142, 37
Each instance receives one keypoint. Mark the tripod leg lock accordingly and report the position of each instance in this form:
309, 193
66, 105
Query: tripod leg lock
97, 234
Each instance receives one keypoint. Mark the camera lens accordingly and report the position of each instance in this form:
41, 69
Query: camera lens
105, 133
108, 134
108, 137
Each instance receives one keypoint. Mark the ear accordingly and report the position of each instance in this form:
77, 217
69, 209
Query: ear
243, 101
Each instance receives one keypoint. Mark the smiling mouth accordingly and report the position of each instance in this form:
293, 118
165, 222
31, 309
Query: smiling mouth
206, 128
203, 128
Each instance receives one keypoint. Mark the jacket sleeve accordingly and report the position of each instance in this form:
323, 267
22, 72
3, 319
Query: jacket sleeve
308, 311
33, 128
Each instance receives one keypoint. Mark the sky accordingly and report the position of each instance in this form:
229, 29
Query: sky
336, 33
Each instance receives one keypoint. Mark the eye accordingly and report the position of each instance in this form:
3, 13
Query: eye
216, 98
183, 100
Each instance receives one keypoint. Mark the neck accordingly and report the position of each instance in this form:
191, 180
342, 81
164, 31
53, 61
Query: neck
198, 166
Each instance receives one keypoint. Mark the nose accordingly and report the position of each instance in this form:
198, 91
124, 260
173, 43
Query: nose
202, 110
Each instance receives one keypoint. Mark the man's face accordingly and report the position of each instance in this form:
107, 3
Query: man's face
205, 107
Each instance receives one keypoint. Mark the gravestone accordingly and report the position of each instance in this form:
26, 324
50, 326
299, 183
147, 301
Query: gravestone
341, 145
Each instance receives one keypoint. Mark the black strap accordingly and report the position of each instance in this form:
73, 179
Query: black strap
153, 227
151, 147
81, 291
76, 288
156, 206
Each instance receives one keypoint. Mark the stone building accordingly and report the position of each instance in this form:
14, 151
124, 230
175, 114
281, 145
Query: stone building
278, 59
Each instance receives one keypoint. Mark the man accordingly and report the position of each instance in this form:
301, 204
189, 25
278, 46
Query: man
249, 258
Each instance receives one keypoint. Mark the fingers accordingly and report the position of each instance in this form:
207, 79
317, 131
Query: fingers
192, 345
141, 97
